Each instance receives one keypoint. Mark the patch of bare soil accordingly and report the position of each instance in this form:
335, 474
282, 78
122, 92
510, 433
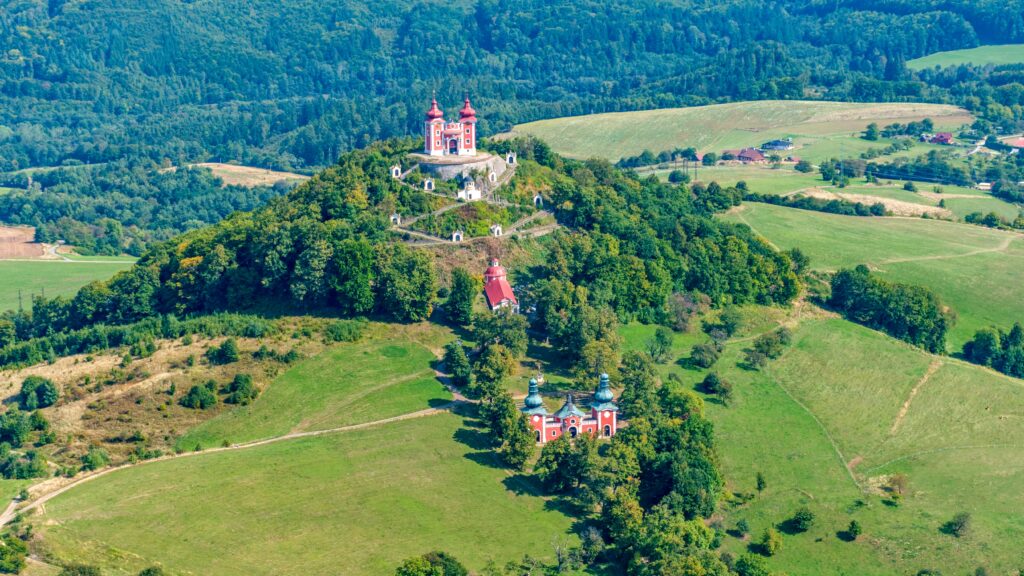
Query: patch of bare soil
19, 242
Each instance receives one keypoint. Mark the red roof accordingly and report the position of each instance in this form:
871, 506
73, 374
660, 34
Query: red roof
1017, 143
467, 113
434, 113
943, 138
751, 154
496, 286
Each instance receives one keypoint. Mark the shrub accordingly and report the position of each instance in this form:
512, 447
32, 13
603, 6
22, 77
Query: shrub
959, 526
854, 529
704, 355
803, 519
37, 392
80, 570
12, 554
199, 397
241, 390
153, 571
743, 527
750, 565
95, 459
771, 541
226, 353
344, 331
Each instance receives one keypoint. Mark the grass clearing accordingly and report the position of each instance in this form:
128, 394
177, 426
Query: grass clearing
975, 270
249, 176
346, 384
831, 401
52, 277
994, 55
362, 500
819, 129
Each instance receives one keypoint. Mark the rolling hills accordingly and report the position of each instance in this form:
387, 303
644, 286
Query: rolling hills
819, 129
993, 55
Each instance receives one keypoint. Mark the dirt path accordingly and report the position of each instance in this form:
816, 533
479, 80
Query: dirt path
1002, 247
932, 369
51, 488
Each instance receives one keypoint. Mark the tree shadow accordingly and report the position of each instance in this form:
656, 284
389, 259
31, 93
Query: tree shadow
522, 484
757, 548
687, 363
845, 536
486, 458
790, 527
438, 402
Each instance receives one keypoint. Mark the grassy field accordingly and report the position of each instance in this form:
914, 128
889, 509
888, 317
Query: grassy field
55, 278
354, 503
975, 270
823, 425
980, 56
819, 129
347, 384
236, 175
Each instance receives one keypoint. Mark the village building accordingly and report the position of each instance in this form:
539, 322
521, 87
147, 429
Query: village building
944, 138
469, 192
778, 145
746, 155
443, 138
601, 421
497, 290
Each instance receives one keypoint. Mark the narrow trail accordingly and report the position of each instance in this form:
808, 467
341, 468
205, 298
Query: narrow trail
1002, 247
13, 508
932, 369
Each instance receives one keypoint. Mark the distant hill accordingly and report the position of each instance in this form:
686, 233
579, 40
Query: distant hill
980, 56
818, 129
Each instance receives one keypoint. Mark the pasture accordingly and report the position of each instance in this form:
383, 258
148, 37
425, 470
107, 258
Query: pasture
363, 500
249, 176
350, 383
975, 270
842, 409
993, 55
819, 129
52, 277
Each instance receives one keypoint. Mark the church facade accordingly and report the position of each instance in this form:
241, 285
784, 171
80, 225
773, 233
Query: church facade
443, 138
601, 421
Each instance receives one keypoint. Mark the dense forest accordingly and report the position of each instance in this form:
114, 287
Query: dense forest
294, 83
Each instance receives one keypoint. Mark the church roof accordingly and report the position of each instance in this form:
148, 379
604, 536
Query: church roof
534, 404
568, 409
434, 113
467, 112
603, 397
496, 286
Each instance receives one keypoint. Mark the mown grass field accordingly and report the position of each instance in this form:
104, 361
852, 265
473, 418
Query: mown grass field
349, 383
975, 270
980, 56
823, 425
55, 278
820, 130
354, 503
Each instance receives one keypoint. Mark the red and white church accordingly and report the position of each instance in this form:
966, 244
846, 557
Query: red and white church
602, 421
441, 138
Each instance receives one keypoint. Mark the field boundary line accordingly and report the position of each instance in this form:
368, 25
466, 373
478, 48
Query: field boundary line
831, 440
12, 509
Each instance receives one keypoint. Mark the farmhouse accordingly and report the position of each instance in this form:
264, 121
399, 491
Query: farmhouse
497, 290
601, 421
441, 138
746, 155
944, 138
775, 145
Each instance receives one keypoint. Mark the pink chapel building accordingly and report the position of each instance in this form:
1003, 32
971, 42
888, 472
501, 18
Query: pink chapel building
601, 421
442, 138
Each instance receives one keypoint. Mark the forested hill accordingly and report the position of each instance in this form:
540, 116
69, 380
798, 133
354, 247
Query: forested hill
629, 247
292, 83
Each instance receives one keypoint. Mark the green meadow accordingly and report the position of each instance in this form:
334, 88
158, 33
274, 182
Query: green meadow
819, 129
975, 270
356, 502
50, 277
378, 377
824, 425
994, 55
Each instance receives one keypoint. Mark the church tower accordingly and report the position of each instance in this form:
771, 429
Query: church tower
433, 125
467, 117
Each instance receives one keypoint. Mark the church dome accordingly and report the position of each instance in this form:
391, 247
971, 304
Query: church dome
467, 112
434, 113
495, 270
533, 399
604, 391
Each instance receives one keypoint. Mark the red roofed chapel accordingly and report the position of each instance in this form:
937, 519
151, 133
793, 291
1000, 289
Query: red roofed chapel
497, 289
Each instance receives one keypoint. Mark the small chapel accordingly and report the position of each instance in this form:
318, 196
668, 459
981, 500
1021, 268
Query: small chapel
601, 421
455, 138
497, 290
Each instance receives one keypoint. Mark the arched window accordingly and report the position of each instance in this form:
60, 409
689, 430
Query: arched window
607, 430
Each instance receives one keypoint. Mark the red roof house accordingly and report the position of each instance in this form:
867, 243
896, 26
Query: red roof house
750, 155
1015, 143
497, 290
943, 138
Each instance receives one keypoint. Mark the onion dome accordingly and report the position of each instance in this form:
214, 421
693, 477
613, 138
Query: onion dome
434, 113
534, 404
467, 112
494, 272
533, 399
568, 409
604, 392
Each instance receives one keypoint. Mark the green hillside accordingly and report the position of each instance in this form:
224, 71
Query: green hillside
363, 500
975, 270
980, 56
819, 130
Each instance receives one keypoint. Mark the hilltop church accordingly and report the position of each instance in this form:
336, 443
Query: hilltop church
441, 138
602, 421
